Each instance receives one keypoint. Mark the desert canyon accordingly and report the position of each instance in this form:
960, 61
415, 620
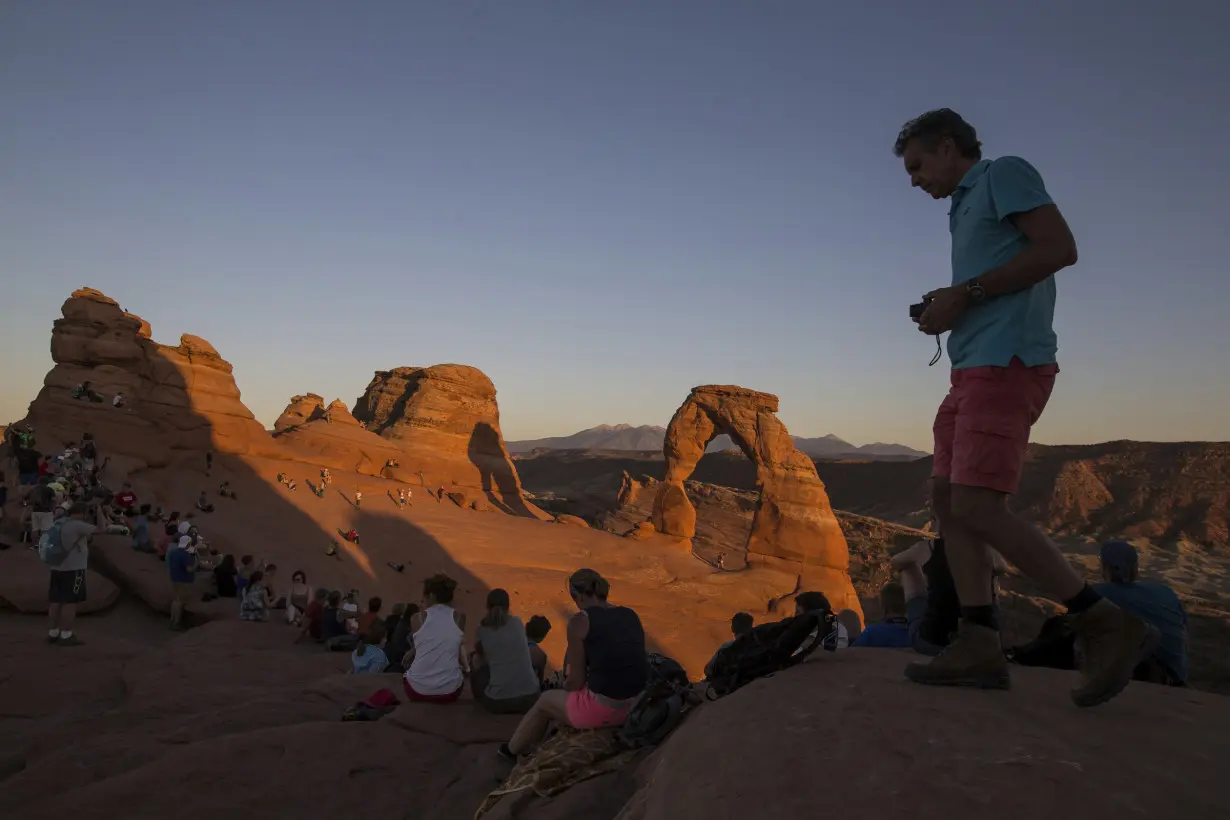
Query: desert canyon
235, 719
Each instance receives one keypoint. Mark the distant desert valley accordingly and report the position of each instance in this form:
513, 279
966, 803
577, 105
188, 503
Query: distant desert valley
717, 511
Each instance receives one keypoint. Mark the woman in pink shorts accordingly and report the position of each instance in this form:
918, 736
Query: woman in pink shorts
605, 667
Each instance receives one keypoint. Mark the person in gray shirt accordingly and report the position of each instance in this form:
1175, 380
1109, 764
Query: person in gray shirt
67, 587
503, 678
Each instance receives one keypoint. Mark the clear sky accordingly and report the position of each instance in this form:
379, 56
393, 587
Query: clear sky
604, 204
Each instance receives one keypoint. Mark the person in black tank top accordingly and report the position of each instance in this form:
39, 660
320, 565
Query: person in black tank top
606, 667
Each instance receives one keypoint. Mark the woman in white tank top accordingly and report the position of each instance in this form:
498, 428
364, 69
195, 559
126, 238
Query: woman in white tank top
436, 666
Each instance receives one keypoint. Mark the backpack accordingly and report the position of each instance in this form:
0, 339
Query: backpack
770, 648
660, 707
89, 450
51, 545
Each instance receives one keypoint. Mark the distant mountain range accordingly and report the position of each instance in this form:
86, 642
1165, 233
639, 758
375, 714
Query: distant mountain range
645, 437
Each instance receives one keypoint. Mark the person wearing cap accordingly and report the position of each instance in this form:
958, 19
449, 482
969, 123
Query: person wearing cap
1152, 602
67, 586
605, 667
181, 567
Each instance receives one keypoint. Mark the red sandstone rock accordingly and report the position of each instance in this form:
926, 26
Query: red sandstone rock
301, 410
445, 421
793, 522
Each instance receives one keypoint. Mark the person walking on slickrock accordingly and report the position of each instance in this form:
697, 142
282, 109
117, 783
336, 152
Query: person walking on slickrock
1008, 241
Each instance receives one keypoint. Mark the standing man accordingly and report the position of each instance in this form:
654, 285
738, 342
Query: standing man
67, 587
1008, 241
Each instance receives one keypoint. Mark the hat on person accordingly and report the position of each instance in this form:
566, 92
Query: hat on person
1121, 559
184, 526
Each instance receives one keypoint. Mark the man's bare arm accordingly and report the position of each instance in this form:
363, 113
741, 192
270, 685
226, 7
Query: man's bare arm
1051, 249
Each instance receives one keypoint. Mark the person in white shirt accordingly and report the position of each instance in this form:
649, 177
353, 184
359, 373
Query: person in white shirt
436, 665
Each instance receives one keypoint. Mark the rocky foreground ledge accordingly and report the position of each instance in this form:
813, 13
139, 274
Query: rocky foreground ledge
231, 720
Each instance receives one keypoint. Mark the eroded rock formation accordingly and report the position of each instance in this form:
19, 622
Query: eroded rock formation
301, 410
793, 522
180, 398
446, 421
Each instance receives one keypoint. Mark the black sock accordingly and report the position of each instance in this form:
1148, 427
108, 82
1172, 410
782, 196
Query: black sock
1082, 600
981, 615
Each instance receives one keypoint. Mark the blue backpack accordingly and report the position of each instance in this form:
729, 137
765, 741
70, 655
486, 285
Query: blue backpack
51, 545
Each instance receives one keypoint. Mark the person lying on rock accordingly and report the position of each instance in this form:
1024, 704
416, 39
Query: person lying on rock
298, 598
181, 568
224, 578
895, 629
536, 630
740, 625
351, 535
606, 667
333, 629
436, 664
224, 490
254, 606
368, 658
503, 679
203, 504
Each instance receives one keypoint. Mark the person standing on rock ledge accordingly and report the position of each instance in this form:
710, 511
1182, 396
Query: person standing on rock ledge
1008, 241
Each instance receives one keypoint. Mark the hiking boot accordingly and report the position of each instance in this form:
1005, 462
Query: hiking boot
71, 640
974, 658
1111, 643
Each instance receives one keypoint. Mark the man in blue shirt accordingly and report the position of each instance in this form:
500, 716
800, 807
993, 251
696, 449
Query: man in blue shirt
1008, 241
894, 631
1152, 602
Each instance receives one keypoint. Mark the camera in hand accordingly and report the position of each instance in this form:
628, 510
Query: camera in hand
916, 310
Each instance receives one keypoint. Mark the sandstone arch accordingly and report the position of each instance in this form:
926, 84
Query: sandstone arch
793, 525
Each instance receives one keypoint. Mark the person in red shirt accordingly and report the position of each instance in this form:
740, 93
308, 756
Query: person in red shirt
44, 466
312, 615
126, 499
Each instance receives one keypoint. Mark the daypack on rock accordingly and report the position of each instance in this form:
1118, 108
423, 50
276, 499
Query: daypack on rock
373, 707
770, 648
51, 545
659, 709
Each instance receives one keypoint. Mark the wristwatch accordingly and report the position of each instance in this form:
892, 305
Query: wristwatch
977, 293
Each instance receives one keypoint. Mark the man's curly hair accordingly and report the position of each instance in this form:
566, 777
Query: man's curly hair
933, 126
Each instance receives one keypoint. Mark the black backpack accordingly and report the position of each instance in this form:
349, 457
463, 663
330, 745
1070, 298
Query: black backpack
660, 708
770, 648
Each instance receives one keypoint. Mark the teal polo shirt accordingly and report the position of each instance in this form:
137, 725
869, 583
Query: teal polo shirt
983, 238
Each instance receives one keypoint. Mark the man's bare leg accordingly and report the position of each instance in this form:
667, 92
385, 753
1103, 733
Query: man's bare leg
53, 630
981, 516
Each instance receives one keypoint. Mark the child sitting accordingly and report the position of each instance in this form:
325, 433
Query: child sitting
203, 504
368, 658
255, 603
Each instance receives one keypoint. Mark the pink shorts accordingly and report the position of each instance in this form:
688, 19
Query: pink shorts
982, 427
587, 712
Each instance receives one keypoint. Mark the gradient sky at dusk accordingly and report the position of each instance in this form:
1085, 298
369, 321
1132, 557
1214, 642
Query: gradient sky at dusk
604, 204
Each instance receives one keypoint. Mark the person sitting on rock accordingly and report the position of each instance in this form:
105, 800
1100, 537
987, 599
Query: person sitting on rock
436, 664
503, 680
371, 616
141, 541
224, 578
281, 478
311, 620
1152, 602
245, 572
182, 567
299, 597
325, 476
118, 400
292, 485
351, 535
125, 499
893, 631
606, 667
333, 628
254, 606
806, 602
400, 638
536, 630
203, 504
740, 624
224, 490
368, 658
